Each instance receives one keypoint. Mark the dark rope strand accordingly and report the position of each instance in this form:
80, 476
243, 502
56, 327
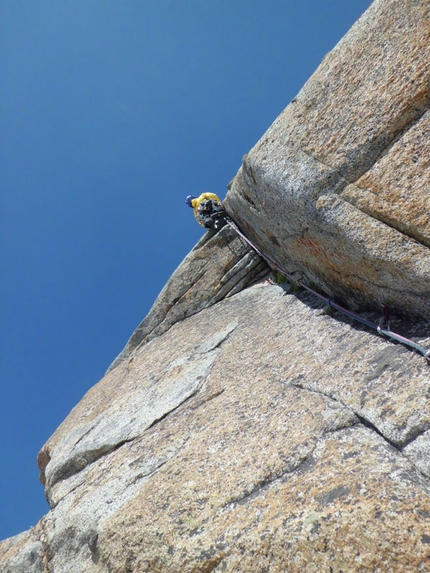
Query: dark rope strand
382, 331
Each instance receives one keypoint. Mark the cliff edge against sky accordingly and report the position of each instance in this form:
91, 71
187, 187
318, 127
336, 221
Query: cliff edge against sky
243, 428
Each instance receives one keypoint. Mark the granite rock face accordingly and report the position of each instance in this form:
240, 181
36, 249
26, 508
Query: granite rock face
244, 429
256, 435
219, 266
338, 188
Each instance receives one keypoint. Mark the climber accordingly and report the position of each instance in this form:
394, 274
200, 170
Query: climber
208, 210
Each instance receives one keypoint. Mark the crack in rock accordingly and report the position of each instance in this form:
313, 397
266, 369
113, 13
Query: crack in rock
127, 418
399, 447
204, 277
302, 465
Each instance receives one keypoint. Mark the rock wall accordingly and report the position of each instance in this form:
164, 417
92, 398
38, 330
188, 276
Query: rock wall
243, 428
219, 266
338, 188
256, 435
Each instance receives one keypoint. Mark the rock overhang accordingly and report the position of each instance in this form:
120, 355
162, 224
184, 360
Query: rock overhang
338, 188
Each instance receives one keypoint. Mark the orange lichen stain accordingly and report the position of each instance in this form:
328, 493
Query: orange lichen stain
311, 246
317, 251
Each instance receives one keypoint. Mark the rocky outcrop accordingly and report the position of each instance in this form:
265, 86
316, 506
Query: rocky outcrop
219, 266
243, 428
257, 433
339, 187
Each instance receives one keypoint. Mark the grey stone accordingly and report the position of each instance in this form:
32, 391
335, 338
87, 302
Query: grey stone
243, 428
419, 452
271, 418
219, 266
338, 187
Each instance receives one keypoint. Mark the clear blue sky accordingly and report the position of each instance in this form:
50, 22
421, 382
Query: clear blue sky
111, 113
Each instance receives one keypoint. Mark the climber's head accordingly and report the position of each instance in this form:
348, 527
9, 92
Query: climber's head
189, 200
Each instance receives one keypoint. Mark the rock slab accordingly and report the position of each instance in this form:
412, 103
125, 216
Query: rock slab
257, 434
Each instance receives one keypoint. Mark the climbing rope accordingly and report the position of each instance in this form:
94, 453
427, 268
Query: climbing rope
383, 328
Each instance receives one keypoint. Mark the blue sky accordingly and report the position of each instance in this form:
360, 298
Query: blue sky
111, 112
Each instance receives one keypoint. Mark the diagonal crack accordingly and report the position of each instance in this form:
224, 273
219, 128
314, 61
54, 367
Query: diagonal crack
186, 384
302, 465
368, 424
241, 273
78, 463
264, 484
166, 414
307, 461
